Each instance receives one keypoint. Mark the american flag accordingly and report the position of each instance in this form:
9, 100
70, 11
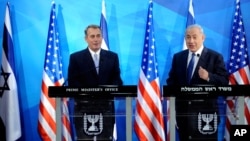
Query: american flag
52, 76
238, 68
149, 117
9, 105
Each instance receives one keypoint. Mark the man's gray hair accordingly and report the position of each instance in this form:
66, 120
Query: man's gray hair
195, 26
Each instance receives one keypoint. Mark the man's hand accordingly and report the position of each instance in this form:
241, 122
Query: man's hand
203, 74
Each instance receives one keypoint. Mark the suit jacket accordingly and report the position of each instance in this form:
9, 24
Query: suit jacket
187, 108
82, 73
210, 60
82, 70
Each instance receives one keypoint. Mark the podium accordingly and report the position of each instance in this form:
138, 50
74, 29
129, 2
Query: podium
91, 126
202, 123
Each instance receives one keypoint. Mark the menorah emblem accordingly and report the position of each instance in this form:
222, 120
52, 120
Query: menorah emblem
90, 124
207, 118
93, 119
207, 123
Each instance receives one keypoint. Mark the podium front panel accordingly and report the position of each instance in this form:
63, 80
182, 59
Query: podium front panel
198, 119
94, 118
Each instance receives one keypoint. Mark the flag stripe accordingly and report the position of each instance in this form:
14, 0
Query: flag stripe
140, 133
144, 126
66, 121
104, 28
246, 110
149, 105
149, 97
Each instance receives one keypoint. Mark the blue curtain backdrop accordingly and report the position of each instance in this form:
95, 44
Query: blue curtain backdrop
126, 27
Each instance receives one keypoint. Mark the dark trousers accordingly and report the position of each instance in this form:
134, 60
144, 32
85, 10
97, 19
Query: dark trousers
94, 119
197, 120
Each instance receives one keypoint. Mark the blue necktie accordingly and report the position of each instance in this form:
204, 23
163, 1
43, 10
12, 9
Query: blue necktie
96, 60
190, 68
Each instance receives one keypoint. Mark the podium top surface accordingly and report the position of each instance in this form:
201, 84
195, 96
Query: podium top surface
110, 91
206, 90
103, 91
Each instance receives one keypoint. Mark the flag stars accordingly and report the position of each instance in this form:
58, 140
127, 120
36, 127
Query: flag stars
239, 29
148, 76
149, 23
242, 46
151, 54
244, 63
235, 44
237, 37
150, 61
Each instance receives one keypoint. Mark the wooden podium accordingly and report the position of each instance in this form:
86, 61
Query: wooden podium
100, 92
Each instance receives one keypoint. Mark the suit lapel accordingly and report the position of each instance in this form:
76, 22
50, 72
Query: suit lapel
184, 64
103, 59
202, 62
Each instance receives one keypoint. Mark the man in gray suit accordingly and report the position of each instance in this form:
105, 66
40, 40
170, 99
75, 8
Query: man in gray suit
207, 68
92, 67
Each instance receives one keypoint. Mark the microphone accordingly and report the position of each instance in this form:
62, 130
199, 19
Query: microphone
198, 55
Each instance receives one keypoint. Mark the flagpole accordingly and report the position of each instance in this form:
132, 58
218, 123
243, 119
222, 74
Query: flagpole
128, 119
58, 119
240, 110
172, 122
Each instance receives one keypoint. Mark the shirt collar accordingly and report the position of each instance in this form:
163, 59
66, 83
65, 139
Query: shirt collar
92, 52
197, 52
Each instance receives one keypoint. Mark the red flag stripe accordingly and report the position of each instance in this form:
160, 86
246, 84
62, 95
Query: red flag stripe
66, 120
232, 80
145, 106
149, 95
44, 133
150, 102
243, 75
140, 132
246, 111
45, 91
147, 122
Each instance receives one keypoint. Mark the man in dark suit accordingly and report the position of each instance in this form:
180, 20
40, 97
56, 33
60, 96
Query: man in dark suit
197, 119
91, 67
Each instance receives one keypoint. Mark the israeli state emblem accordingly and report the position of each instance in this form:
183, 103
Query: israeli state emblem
207, 123
93, 124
